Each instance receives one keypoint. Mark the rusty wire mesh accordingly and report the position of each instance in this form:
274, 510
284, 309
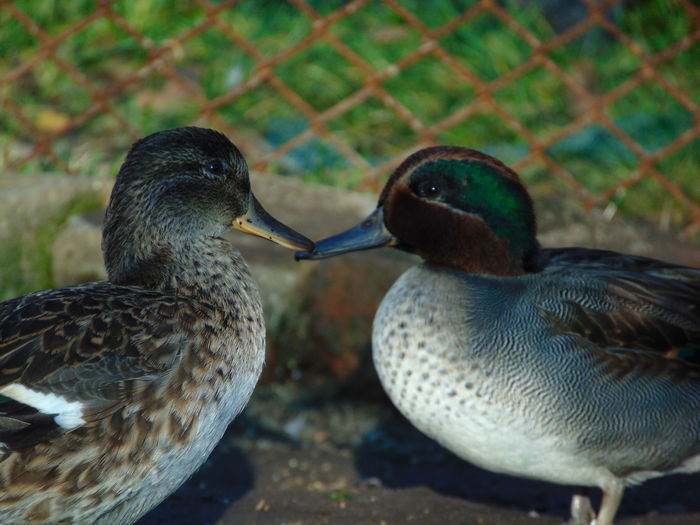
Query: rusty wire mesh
164, 71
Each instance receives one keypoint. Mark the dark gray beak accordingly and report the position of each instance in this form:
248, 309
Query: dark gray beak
370, 233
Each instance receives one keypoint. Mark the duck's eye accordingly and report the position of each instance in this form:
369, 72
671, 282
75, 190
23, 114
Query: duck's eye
215, 168
429, 190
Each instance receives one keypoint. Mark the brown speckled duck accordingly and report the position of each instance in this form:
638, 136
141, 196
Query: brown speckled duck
113, 393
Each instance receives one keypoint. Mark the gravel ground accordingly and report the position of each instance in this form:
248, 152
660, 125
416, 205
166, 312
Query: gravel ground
304, 457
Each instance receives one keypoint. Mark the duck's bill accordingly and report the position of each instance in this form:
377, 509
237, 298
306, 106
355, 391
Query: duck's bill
370, 233
260, 223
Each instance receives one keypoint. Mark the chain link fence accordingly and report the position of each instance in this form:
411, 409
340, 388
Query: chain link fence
599, 98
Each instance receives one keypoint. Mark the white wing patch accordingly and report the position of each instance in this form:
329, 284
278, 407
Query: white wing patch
68, 414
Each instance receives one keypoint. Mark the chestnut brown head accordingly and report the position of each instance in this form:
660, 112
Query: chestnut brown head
456, 208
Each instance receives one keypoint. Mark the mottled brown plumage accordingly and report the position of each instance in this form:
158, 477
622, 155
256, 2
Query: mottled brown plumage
115, 392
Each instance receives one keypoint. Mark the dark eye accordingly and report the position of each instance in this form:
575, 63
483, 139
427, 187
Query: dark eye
429, 190
215, 168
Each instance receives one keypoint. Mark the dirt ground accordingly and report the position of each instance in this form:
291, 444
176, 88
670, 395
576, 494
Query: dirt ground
291, 459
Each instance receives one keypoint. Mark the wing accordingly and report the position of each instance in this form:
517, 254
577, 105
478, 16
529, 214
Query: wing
642, 314
72, 356
626, 301
633, 326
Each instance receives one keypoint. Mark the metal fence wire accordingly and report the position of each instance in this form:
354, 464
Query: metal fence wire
598, 97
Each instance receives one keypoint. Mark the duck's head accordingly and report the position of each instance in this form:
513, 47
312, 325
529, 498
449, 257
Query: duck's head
174, 187
456, 208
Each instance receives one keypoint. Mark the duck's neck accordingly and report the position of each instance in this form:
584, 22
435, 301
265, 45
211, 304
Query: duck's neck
482, 253
201, 268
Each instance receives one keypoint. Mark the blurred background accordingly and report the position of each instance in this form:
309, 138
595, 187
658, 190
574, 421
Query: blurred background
598, 97
596, 103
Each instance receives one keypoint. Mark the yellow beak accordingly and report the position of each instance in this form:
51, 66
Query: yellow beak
258, 222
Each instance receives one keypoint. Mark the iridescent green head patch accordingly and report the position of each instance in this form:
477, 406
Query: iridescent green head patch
480, 189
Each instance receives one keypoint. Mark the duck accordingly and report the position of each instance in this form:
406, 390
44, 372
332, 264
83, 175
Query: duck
113, 393
574, 366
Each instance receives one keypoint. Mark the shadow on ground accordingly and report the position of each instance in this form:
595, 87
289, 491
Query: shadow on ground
225, 478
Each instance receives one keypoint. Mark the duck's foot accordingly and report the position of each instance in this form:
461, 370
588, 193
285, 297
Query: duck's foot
612, 496
582, 512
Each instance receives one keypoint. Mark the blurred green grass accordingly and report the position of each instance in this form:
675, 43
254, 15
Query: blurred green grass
105, 54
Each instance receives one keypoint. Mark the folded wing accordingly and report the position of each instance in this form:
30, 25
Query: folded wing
71, 356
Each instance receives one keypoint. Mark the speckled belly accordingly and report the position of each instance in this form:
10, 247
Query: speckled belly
426, 353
